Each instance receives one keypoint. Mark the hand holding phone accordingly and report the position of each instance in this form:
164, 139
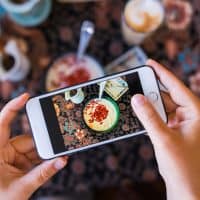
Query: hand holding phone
176, 143
20, 177
91, 114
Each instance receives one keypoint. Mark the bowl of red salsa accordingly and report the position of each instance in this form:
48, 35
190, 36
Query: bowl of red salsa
68, 70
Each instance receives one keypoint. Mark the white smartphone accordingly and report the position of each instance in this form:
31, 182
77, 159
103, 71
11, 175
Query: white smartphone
91, 114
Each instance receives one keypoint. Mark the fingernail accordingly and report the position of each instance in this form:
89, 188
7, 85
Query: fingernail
138, 100
25, 95
149, 60
59, 164
66, 157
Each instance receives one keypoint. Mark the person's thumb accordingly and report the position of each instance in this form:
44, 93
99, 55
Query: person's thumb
152, 122
40, 174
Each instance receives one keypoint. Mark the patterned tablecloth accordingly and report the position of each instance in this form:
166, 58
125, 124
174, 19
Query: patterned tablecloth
123, 162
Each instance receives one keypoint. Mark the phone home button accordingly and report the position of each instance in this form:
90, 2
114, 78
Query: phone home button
153, 96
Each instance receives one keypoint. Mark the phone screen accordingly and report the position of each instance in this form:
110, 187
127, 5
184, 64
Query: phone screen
92, 114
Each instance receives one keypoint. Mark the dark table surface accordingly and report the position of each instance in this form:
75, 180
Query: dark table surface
120, 163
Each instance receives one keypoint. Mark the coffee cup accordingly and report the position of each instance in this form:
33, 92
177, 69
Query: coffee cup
27, 12
140, 19
76, 96
18, 66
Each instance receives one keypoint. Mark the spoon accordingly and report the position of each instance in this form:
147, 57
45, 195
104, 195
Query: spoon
101, 89
87, 30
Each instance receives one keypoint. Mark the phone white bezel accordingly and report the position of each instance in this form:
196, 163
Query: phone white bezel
40, 133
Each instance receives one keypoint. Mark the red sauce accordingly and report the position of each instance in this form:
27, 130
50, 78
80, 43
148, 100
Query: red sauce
80, 73
100, 112
79, 76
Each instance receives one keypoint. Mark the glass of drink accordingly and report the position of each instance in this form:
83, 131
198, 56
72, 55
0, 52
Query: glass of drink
140, 19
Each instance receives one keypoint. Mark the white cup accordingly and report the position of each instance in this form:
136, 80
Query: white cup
136, 13
21, 65
77, 98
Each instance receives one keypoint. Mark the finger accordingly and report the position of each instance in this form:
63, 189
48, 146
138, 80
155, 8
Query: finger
36, 161
32, 155
157, 129
172, 120
169, 104
26, 163
23, 143
22, 162
180, 94
7, 115
40, 174
173, 123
